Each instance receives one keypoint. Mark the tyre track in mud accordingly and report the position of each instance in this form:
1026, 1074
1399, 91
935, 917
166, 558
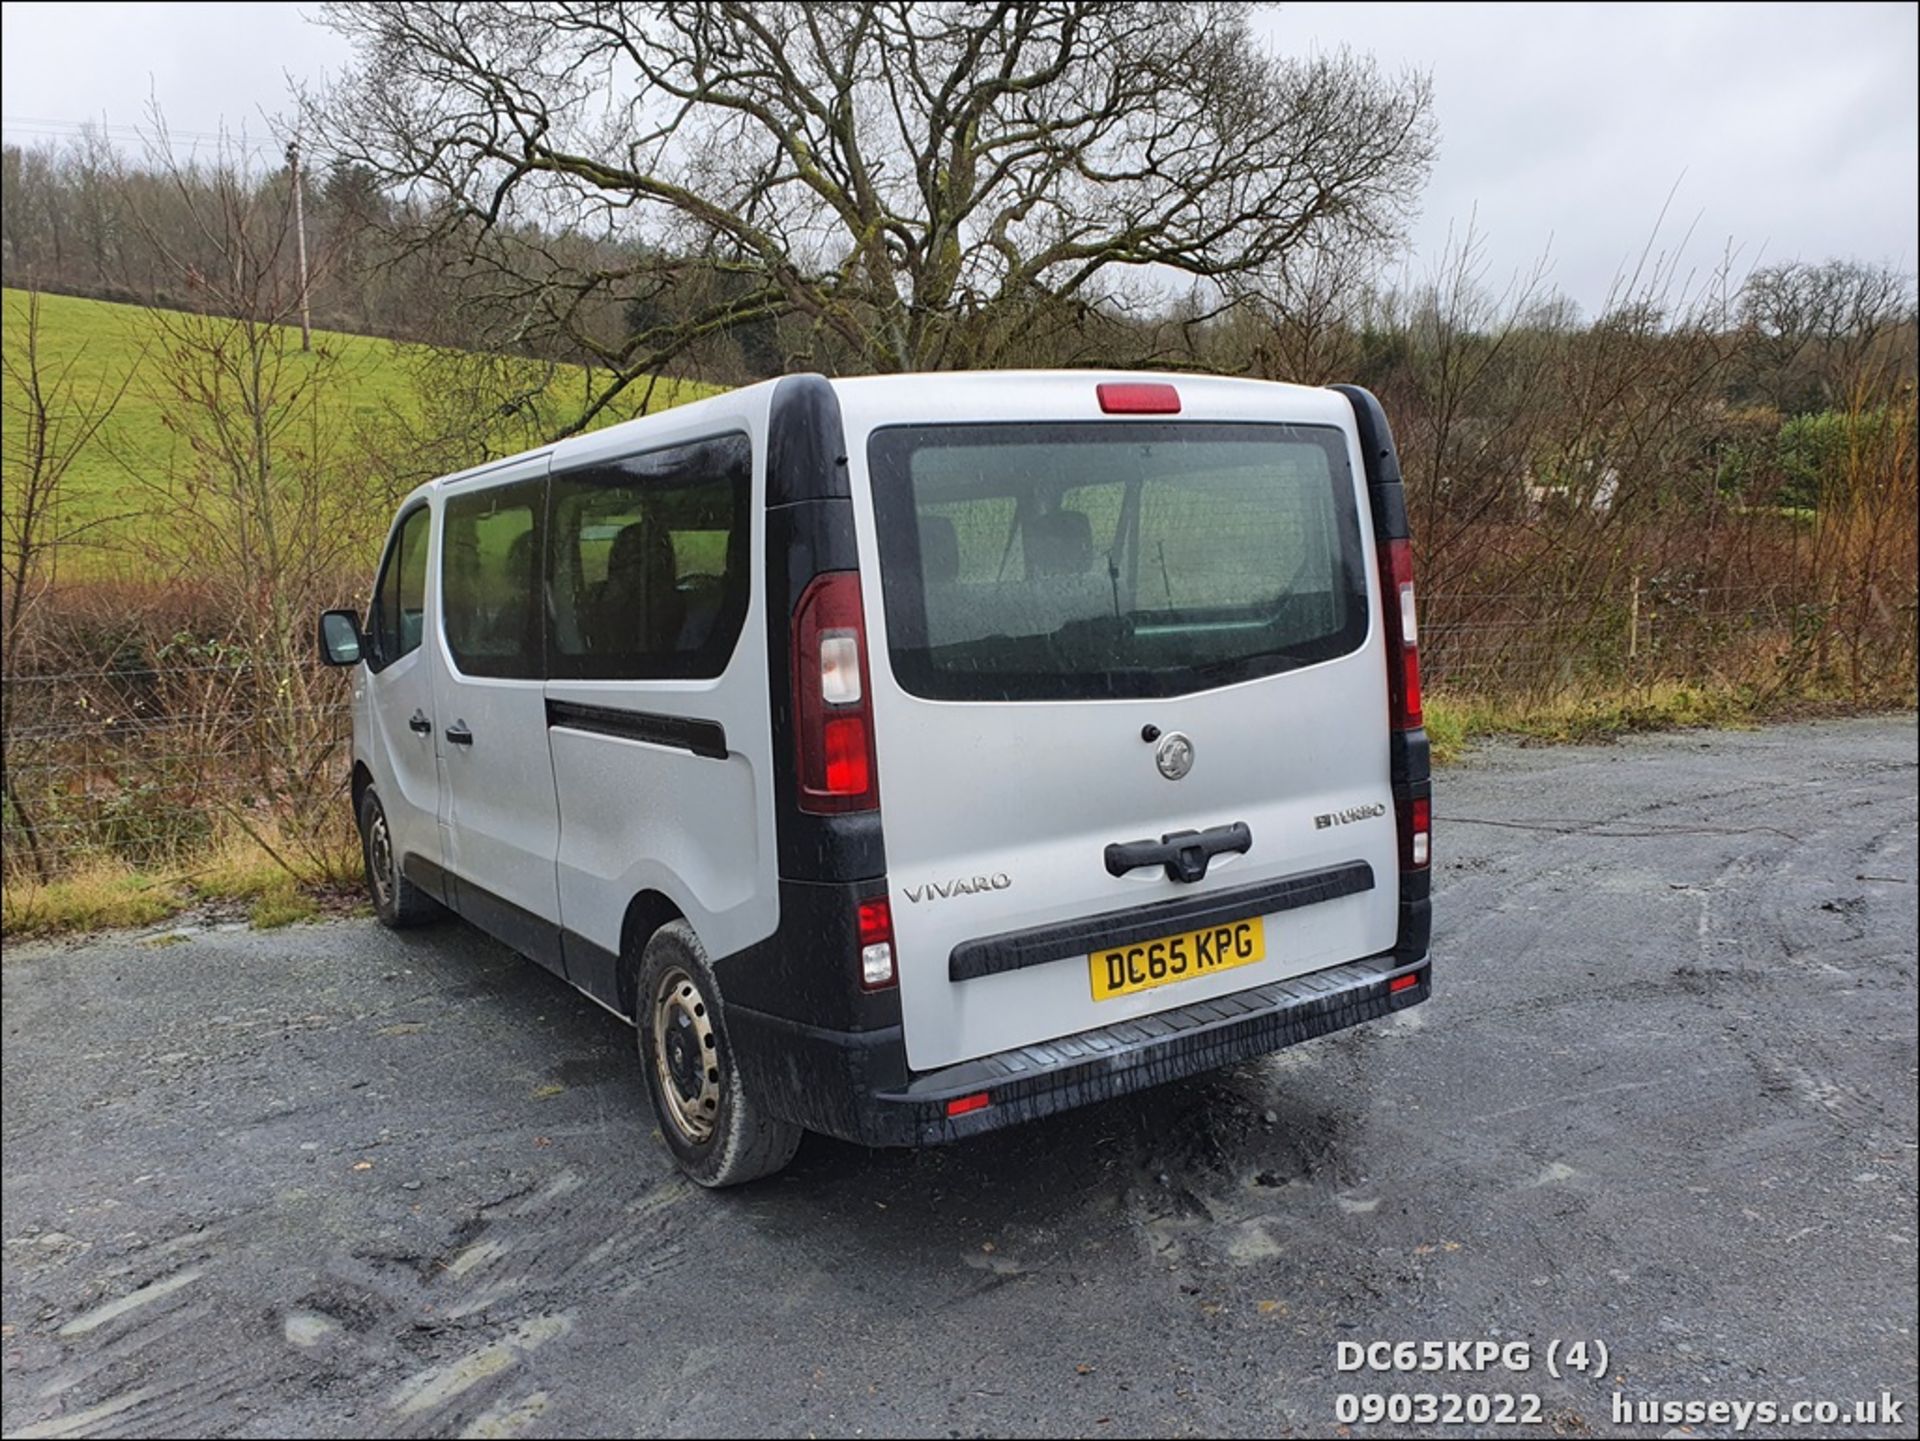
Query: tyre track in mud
337, 1181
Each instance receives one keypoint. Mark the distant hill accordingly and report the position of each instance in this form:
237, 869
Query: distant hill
370, 378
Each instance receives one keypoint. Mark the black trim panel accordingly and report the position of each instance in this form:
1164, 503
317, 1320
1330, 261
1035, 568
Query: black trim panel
594, 969
538, 939
688, 733
1184, 854
430, 877
532, 936
808, 971
1408, 753
823, 1079
809, 532
1038, 945
806, 448
854, 1085
1386, 487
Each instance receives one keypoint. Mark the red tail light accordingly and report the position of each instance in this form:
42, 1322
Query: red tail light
833, 698
846, 742
966, 1105
1404, 711
1403, 635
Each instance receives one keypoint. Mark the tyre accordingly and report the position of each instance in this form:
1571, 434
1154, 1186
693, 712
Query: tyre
397, 901
719, 1133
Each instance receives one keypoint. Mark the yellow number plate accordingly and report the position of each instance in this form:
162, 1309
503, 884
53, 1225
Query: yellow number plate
1122, 970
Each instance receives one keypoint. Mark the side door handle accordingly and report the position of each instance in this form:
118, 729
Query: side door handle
419, 724
1185, 854
458, 734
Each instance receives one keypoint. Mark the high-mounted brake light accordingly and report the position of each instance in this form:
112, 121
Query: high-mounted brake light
1403, 635
832, 705
1138, 398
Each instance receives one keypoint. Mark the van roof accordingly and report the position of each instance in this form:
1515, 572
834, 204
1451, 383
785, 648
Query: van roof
1072, 395
1058, 380
950, 395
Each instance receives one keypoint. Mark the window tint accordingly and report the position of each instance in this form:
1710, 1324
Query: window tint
490, 579
647, 563
1113, 559
398, 617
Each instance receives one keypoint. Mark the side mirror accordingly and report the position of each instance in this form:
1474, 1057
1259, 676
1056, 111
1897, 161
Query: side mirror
340, 642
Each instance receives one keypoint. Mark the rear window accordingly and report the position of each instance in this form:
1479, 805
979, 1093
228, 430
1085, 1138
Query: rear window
1113, 559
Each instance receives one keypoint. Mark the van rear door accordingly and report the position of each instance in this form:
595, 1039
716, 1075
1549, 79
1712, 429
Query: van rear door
1097, 631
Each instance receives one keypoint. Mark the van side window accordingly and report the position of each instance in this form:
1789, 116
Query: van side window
490, 580
397, 619
647, 563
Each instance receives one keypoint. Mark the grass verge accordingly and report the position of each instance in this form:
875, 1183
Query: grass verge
103, 895
241, 873
1454, 721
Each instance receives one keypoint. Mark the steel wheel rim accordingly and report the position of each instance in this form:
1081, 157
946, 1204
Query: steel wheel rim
686, 1056
380, 859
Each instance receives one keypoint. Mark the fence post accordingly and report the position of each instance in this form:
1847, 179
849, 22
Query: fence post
1633, 620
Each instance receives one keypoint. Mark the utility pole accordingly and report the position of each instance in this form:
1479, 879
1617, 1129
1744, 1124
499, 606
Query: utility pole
300, 232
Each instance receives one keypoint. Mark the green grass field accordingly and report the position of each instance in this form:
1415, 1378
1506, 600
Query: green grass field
366, 379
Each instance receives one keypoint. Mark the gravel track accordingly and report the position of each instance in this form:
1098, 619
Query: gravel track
339, 1181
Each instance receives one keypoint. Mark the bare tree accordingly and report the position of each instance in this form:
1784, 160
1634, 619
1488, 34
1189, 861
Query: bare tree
458, 408
267, 513
909, 178
51, 416
1811, 328
1302, 324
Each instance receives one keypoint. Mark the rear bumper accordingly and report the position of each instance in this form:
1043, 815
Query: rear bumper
855, 1085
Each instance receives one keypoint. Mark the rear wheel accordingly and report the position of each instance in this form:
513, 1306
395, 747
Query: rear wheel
719, 1133
397, 901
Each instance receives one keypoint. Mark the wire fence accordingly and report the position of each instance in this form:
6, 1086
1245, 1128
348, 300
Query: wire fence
143, 762
147, 761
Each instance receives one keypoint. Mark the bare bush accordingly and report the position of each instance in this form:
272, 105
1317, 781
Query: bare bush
51, 416
265, 510
1574, 491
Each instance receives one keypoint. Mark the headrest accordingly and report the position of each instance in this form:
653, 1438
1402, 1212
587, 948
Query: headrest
1059, 544
939, 550
639, 547
520, 556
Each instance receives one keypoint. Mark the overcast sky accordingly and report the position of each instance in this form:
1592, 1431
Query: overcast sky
1789, 130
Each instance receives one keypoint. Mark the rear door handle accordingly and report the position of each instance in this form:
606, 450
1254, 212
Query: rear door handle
419, 724
1185, 854
458, 734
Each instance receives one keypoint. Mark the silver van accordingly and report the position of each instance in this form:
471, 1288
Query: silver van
912, 756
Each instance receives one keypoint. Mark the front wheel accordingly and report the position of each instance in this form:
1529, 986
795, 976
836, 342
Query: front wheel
397, 901
719, 1133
